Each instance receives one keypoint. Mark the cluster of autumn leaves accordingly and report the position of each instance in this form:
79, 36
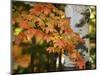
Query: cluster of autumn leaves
45, 23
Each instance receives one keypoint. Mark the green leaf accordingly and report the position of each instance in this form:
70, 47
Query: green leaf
17, 31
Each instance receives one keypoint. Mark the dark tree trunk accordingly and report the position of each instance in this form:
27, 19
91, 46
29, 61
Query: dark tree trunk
60, 64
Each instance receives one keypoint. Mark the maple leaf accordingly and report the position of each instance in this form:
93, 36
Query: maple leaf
16, 51
37, 20
50, 49
47, 38
81, 63
47, 30
21, 36
78, 59
50, 6
24, 25
39, 36
59, 43
23, 61
46, 11
37, 9
63, 22
68, 31
70, 46
17, 31
29, 33
73, 56
29, 17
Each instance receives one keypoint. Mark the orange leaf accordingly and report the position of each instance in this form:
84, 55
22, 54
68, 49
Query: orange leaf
46, 11
24, 61
81, 64
60, 43
16, 51
37, 9
24, 25
47, 38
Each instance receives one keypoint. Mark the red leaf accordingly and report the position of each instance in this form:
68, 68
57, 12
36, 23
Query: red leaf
24, 25
47, 38
46, 11
81, 64
29, 33
59, 43
37, 9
